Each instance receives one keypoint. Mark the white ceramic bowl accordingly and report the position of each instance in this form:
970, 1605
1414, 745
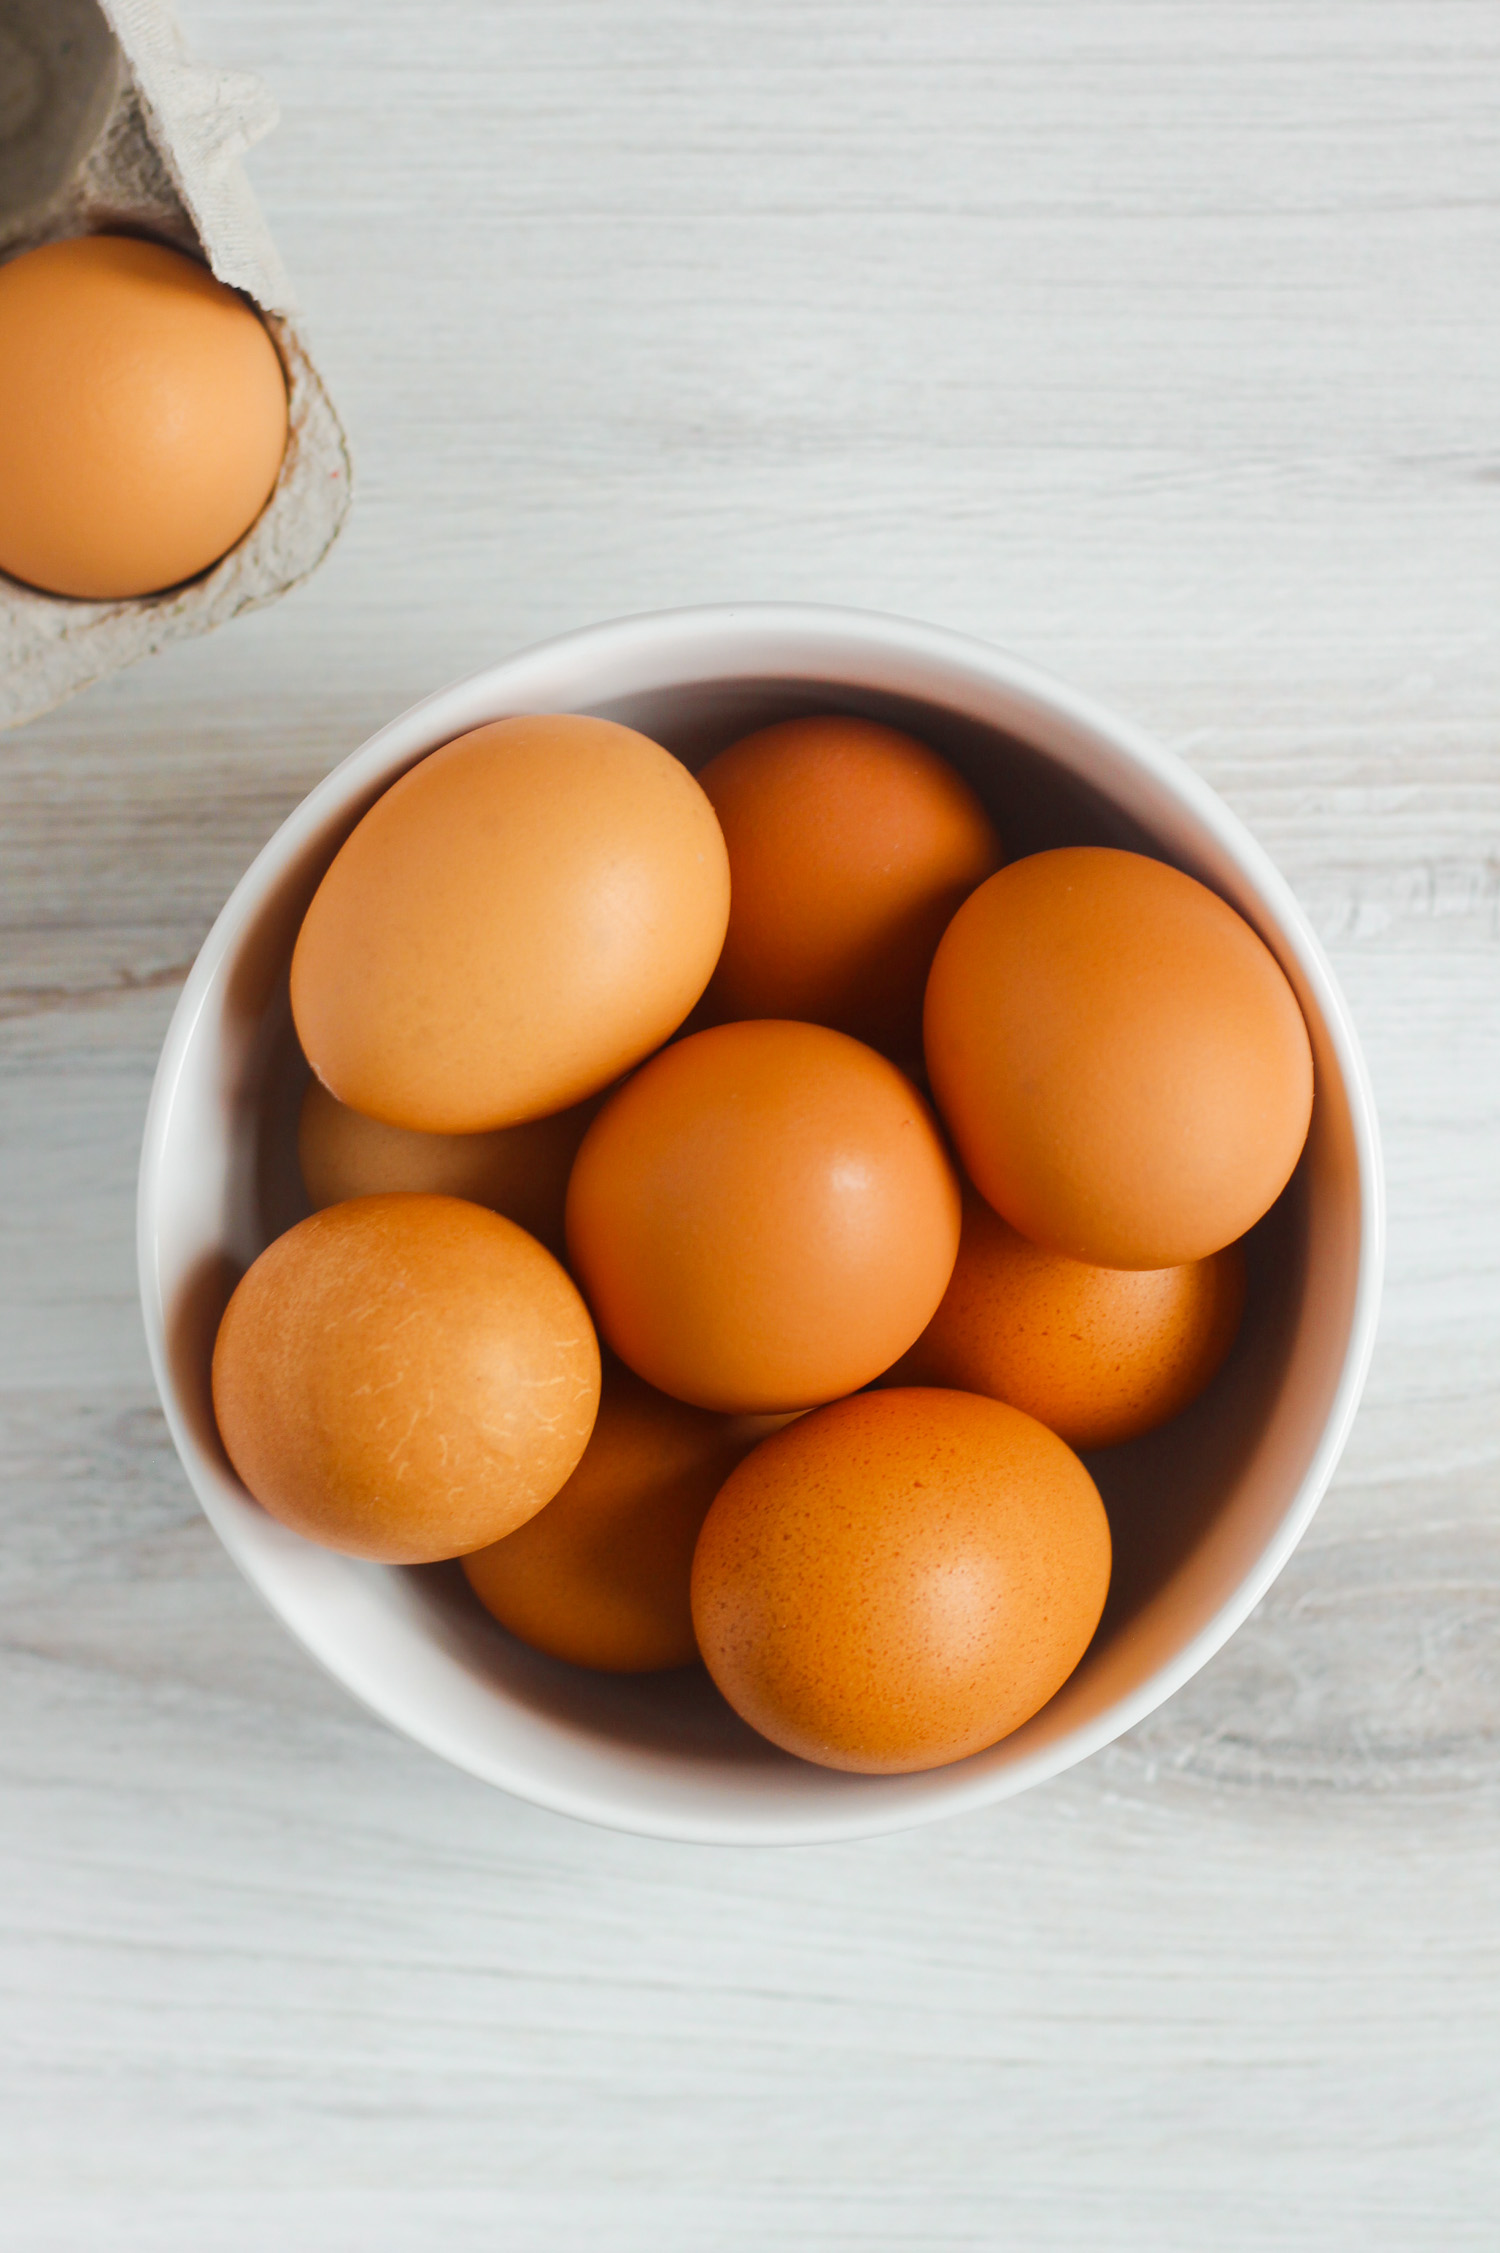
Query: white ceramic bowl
1205, 1512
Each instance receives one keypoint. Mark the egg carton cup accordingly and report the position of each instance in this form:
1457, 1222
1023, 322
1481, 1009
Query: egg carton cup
108, 126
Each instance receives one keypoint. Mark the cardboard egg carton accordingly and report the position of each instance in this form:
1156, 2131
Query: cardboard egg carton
107, 125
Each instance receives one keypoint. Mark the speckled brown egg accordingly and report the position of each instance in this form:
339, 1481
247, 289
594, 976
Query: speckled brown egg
850, 846
1097, 1354
143, 417
521, 1171
900, 1579
1119, 1058
600, 1576
520, 919
405, 1377
764, 1217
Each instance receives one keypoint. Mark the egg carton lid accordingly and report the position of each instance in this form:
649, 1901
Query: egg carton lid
108, 126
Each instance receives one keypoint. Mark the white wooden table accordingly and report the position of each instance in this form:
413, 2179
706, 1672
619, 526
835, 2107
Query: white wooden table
1160, 343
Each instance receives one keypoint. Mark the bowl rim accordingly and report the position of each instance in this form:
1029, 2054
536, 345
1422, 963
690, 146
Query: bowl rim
672, 635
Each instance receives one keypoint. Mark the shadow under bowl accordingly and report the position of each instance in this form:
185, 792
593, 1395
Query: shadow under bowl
1204, 1512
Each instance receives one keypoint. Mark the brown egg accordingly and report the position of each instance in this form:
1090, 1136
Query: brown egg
850, 847
143, 417
764, 1217
521, 1171
521, 918
1097, 1354
900, 1579
405, 1377
601, 1575
1119, 1059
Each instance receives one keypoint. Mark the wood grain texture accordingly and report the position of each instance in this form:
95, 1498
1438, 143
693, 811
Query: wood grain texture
1159, 344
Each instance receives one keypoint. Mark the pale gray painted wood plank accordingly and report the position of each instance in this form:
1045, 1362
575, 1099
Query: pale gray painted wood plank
1158, 343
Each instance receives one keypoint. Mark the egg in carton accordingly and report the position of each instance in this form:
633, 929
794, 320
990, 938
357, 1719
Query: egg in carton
108, 126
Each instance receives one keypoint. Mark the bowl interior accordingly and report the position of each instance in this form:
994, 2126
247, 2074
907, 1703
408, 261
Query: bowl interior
1203, 1512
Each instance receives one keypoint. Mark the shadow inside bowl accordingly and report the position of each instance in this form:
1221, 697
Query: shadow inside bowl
679, 1709
1164, 1491
1032, 803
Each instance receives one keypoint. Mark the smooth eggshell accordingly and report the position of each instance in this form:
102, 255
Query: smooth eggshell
900, 1579
517, 921
143, 417
405, 1377
1118, 1057
521, 1171
850, 847
1097, 1354
600, 1576
764, 1217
